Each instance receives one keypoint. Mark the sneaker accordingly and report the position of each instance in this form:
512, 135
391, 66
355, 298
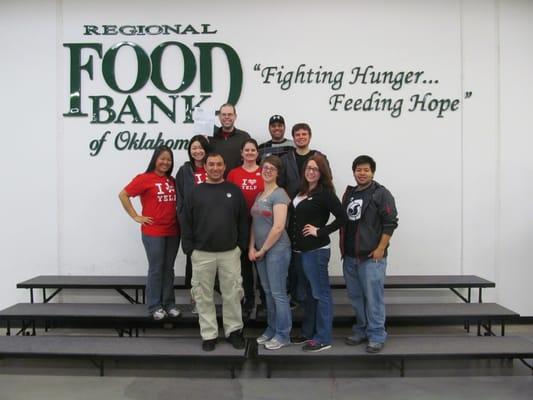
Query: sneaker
374, 347
274, 344
159, 314
173, 312
299, 339
262, 339
209, 345
354, 340
293, 304
313, 346
236, 339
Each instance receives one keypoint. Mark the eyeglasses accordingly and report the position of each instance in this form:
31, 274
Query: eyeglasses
312, 169
269, 169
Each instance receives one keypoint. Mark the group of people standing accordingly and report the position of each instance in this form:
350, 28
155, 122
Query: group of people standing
234, 204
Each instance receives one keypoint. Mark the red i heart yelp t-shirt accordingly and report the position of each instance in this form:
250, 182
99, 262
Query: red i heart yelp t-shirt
158, 200
250, 183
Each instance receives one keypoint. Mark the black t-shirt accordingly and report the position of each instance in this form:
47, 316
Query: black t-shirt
356, 200
300, 160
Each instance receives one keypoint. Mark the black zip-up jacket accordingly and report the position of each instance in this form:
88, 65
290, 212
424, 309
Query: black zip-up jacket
378, 216
214, 218
315, 210
184, 184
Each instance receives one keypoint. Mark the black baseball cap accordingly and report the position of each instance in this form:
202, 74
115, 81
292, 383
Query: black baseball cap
276, 118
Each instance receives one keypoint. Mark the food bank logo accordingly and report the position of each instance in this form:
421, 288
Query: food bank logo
174, 102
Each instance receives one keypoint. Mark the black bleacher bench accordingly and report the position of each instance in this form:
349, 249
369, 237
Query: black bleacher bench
135, 316
401, 348
101, 348
398, 349
137, 283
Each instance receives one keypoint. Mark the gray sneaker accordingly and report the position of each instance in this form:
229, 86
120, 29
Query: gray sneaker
274, 344
159, 314
262, 339
374, 347
174, 312
354, 340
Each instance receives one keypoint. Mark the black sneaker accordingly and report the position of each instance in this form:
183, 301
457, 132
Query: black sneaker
313, 346
236, 339
299, 339
374, 347
209, 345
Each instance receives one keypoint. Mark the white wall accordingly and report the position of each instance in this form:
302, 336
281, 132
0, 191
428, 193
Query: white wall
28, 82
460, 181
515, 214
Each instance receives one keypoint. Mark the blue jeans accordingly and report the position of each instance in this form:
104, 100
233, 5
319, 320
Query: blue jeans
318, 306
364, 282
273, 270
297, 279
161, 253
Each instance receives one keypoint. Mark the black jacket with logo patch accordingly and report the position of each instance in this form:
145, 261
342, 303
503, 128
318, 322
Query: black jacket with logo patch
378, 216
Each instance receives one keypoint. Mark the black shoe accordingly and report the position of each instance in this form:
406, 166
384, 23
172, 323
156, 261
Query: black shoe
236, 339
209, 345
374, 347
299, 339
312, 346
293, 304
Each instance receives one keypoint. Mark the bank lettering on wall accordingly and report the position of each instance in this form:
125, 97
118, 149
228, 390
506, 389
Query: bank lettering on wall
169, 103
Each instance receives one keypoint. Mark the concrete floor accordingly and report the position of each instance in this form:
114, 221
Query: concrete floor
454, 379
143, 388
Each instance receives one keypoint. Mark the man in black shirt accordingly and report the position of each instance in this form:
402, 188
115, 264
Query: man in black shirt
215, 232
294, 159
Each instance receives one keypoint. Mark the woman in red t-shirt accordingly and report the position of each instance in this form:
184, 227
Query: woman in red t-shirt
191, 173
249, 179
159, 226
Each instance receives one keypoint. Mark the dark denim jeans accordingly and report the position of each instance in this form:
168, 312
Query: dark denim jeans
318, 305
161, 252
272, 270
365, 281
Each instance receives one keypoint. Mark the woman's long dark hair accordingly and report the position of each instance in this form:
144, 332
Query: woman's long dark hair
157, 152
324, 182
203, 142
